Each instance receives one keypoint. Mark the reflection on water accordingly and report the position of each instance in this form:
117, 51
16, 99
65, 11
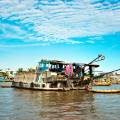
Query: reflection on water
17, 104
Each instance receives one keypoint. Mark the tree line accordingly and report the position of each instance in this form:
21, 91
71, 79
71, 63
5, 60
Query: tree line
21, 70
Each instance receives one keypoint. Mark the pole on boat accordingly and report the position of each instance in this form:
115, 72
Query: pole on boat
100, 57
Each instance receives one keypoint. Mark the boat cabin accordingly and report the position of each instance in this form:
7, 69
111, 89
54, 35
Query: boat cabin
55, 68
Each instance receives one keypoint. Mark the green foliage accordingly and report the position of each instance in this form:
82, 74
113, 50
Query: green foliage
20, 70
3, 74
31, 70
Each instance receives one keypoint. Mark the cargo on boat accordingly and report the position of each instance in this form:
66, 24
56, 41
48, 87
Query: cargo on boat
56, 75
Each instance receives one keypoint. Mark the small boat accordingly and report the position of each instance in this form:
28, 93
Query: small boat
102, 84
105, 91
4, 84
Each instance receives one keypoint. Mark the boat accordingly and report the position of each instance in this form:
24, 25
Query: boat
102, 84
55, 75
5, 84
105, 91
4, 81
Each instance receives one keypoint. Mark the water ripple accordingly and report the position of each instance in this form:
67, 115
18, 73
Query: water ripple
19, 104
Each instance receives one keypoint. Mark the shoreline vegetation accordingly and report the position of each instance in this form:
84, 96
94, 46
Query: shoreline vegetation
9, 75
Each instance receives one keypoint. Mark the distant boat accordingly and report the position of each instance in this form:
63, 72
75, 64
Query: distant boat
4, 83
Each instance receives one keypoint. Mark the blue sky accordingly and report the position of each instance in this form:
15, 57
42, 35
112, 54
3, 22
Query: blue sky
70, 30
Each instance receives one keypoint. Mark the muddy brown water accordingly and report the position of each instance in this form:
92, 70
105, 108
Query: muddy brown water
19, 104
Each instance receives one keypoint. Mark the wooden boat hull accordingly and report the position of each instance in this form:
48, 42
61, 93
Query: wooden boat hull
105, 91
47, 86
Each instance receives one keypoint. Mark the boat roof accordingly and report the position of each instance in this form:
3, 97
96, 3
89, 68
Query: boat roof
67, 63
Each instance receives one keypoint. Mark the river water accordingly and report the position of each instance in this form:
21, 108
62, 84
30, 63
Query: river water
18, 104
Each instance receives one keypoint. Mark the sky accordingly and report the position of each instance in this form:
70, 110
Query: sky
68, 30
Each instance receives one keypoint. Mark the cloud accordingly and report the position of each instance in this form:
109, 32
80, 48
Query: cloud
25, 45
90, 41
57, 21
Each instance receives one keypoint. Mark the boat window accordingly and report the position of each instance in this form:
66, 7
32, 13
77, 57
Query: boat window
43, 85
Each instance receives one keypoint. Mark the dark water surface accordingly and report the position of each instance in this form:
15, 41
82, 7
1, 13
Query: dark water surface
17, 104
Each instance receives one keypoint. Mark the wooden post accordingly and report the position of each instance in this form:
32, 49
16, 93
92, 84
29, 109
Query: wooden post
90, 71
